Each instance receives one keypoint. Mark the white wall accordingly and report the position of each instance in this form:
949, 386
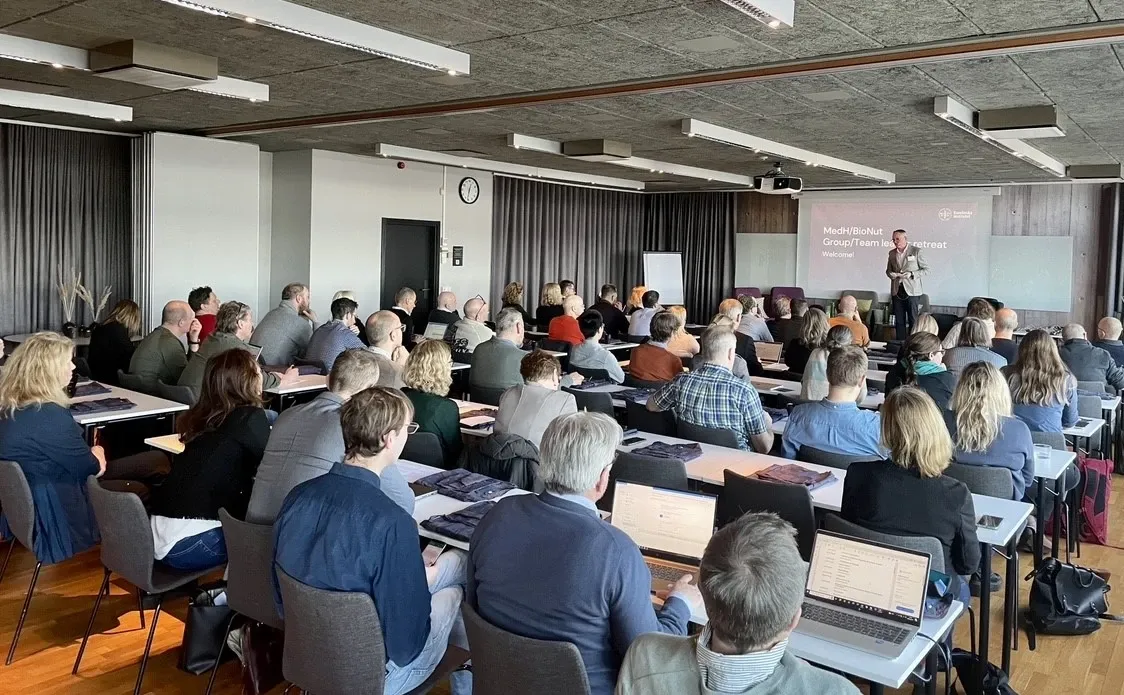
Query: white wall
350, 197
204, 214
291, 217
265, 226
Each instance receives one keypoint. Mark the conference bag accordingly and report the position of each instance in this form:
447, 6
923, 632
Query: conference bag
204, 631
1095, 490
1065, 600
968, 665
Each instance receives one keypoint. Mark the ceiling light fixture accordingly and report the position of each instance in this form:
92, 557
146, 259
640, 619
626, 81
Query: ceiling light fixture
340, 31
727, 136
556, 175
963, 117
771, 13
78, 107
253, 92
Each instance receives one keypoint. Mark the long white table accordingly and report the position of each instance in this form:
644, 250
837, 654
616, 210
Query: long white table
145, 406
302, 384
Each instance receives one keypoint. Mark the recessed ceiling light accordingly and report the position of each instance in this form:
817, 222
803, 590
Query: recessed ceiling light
453, 73
774, 24
57, 65
250, 20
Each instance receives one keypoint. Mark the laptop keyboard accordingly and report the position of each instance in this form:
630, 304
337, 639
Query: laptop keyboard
855, 623
665, 573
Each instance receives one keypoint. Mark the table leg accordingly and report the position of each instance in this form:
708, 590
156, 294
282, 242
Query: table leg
1040, 522
877, 688
1058, 496
1009, 602
985, 609
931, 667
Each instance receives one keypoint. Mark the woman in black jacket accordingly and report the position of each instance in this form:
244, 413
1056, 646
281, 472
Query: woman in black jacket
908, 495
813, 333
921, 366
111, 343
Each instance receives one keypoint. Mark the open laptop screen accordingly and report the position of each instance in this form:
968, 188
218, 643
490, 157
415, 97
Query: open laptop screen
664, 521
869, 577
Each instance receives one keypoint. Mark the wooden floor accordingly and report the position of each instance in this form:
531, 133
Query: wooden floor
1089, 665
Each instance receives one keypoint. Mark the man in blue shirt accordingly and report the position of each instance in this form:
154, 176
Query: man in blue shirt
546, 566
335, 336
340, 532
711, 396
837, 424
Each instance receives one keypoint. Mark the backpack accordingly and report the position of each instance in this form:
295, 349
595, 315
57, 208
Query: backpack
1065, 600
1096, 490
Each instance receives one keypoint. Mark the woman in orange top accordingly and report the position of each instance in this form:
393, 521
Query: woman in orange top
682, 343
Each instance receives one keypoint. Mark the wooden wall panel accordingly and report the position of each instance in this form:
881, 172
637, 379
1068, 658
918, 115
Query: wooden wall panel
1072, 210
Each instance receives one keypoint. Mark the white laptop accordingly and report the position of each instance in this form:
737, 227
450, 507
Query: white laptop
255, 350
768, 353
671, 527
864, 595
435, 330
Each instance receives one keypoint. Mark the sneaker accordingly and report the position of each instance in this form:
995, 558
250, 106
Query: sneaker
974, 583
234, 642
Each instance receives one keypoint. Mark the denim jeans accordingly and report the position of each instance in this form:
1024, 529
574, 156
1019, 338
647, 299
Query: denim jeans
445, 627
198, 552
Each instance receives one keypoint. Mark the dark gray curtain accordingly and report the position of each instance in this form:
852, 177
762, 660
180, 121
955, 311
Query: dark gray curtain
701, 227
543, 232
64, 198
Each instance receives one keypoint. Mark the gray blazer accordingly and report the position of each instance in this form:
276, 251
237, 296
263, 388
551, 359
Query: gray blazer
495, 364
283, 335
1091, 363
591, 355
390, 372
305, 443
527, 409
914, 264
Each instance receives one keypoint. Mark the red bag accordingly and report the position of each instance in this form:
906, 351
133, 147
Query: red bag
1095, 490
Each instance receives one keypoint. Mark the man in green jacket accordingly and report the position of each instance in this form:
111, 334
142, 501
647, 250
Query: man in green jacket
161, 355
234, 325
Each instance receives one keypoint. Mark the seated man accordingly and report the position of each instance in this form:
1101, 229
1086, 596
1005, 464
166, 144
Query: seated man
284, 332
567, 287
496, 362
405, 301
565, 328
340, 532
335, 336
731, 310
652, 361
527, 409
446, 312
590, 354
306, 441
751, 324
1086, 362
234, 324
848, 315
160, 357
837, 424
384, 333
712, 396
1108, 338
1006, 321
740, 369
548, 567
616, 323
467, 333
641, 319
752, 583
205, 303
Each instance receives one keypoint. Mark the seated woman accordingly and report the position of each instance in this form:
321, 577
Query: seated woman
921, 366
635, 299
550, 307
224, 436
40, 435
682, 343
591, 354
973, 345
513, 297
527, 409
984, 431
428, 376
1043, 390
814, 385
907, 495
812, 334
111, 342
925, 323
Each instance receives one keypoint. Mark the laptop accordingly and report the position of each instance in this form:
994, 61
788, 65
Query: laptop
671, 527
435, 330
864, 595
768, 353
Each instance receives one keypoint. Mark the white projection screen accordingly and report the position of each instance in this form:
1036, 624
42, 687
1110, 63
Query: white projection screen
844, 240
663, 272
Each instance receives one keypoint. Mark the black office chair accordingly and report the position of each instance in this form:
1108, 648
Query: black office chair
487, 395
637, 339
179, 394
554, 345
945, 322
645, 470
592, 374
640, 418
81, 366
594, 402
706, 435
810, 454
793, 503
425, 448
632, 382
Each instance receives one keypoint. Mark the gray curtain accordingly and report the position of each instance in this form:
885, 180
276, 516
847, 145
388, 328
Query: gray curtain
544, 232
64, 199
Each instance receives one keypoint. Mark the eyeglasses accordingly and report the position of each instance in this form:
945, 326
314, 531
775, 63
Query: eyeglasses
412, 428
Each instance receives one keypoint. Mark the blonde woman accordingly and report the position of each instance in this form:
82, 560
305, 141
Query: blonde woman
551, 306
814, 384
907, 495
1043, 391
972, 346
111, 342
812, 334
682, 343
926, 324
983, 428
428, 376
513, 297
39, 433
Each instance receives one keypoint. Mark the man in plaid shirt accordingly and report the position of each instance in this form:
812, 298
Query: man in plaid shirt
711, 396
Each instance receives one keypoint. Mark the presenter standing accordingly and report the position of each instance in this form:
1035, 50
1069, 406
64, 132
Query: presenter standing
904, 267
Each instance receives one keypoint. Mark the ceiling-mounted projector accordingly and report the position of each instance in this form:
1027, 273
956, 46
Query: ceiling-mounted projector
776, 182
772, 13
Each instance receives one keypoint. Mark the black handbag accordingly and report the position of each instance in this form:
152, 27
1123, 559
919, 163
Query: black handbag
968, 665
204, 631
1065, 600
263, 649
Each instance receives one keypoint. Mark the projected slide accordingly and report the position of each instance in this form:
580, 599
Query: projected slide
845, 240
